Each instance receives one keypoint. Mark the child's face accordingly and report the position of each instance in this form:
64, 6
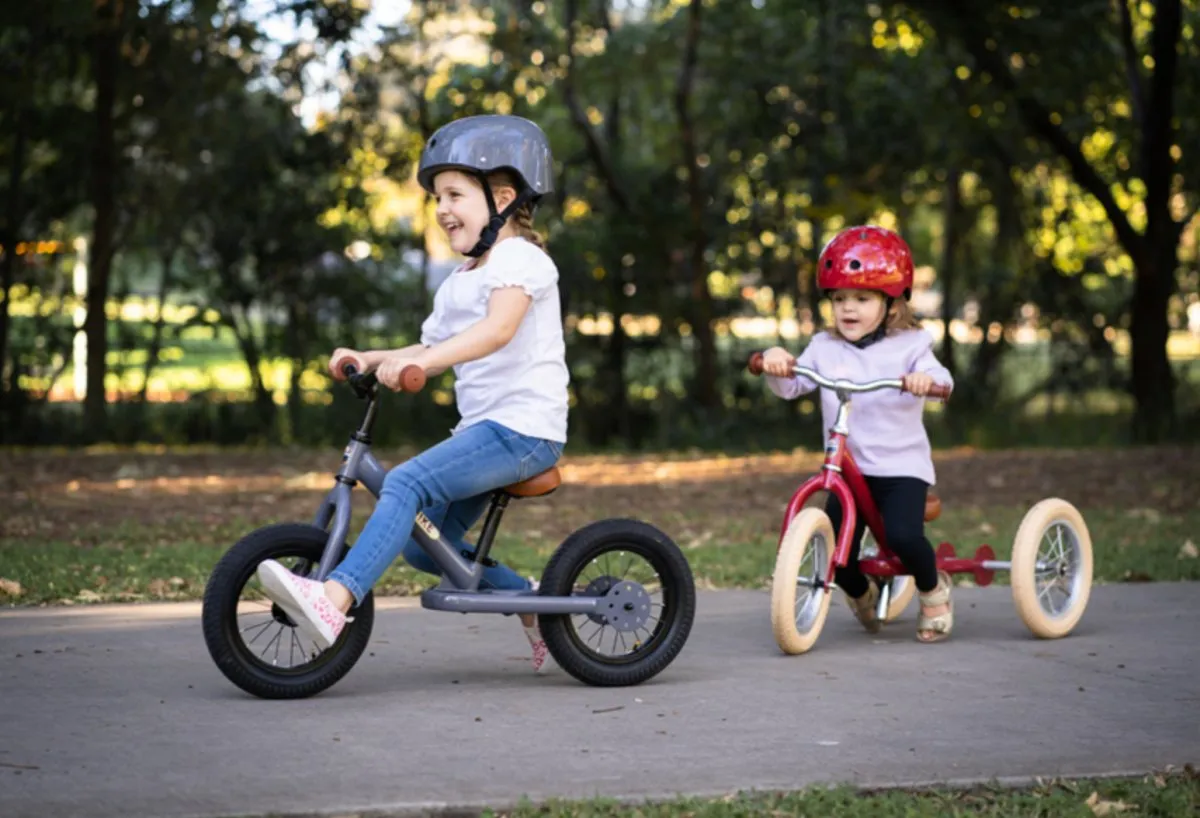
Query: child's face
857, 313
462, 209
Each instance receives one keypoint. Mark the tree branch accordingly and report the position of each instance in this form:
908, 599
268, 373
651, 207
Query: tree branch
1037, 119
570, 96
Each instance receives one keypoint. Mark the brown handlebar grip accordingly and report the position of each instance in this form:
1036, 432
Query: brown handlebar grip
755, 364
412, 378
940, 392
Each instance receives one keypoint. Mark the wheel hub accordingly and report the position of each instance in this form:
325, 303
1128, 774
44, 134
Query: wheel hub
625, 604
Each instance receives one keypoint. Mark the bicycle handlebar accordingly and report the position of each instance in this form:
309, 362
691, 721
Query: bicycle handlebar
936, 392
412, 379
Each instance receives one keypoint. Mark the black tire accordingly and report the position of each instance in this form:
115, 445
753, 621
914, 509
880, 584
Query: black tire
219, 617
679, 602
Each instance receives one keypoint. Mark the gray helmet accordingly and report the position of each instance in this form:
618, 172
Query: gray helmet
483, 144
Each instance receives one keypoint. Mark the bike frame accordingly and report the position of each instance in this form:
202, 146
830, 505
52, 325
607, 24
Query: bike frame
459, 589
840, 475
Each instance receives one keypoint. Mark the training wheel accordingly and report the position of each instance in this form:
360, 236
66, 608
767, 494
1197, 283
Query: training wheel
1051, 568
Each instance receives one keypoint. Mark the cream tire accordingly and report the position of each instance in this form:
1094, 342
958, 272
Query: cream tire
803, 555
1050, 601
903, 591
903, 588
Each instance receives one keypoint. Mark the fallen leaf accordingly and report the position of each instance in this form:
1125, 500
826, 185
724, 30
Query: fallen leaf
1189, 551
1101, 807
10, 587
1150, 515
88, 595
157, 587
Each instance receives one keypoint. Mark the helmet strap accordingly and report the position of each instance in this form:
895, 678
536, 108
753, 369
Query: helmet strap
496, 221
880, 332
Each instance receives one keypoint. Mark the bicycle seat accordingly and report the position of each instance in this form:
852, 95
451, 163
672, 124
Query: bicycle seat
933, 507
537, 485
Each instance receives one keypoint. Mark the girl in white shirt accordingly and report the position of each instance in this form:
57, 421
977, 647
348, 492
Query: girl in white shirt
496, 320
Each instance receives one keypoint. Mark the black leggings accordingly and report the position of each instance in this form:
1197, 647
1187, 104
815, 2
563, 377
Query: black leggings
901, 504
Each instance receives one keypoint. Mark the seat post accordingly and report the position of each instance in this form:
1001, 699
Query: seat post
491, 523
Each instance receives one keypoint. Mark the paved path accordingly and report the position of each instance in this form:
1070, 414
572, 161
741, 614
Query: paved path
118, 711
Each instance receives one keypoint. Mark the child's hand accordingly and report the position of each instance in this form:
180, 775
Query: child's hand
778, 361
388, 371
917, 383
342, 356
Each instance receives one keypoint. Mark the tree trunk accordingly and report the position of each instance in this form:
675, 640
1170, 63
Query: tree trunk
155, 348
106, 57
1155, 252
704, 389
10, 235
297, 325
263, 403
946, 274
1152, 381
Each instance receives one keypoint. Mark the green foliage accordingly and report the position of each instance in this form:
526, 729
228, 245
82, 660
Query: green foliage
705, 150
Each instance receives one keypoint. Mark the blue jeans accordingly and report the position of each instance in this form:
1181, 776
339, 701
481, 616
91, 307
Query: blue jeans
451, 483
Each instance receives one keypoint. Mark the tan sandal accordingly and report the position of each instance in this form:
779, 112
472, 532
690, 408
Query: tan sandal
936, 628
863, 608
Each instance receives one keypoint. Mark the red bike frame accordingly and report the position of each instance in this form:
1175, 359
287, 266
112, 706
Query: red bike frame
840, 475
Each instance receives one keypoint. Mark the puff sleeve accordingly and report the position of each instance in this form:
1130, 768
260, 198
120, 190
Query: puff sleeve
518, 263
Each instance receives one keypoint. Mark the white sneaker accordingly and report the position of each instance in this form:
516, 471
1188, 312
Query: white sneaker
303, 600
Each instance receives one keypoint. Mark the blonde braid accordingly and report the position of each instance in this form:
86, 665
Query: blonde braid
522, 221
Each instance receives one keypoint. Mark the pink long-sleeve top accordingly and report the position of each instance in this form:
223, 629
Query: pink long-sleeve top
887, 430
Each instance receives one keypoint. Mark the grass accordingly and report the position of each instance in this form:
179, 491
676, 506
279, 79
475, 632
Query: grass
153, 527
135, 562
1154, 796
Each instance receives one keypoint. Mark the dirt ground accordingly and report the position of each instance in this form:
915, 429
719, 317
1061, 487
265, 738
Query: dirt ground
62, 495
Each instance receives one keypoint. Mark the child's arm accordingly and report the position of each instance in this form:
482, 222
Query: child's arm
931, 366
506, 309
927, 364
791, 387
375, 357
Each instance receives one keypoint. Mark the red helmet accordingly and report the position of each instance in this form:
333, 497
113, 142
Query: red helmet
866, 258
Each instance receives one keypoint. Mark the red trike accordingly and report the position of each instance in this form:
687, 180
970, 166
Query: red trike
1050, 569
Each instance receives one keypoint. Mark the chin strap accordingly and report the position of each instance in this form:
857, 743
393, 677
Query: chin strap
496, 221
880, 331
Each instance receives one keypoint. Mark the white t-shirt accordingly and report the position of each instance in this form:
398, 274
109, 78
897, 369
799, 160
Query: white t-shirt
522, 385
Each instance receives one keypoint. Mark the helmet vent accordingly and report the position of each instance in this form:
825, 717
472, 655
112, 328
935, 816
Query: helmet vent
855, 264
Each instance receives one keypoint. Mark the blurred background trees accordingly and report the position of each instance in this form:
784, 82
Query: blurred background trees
199, 200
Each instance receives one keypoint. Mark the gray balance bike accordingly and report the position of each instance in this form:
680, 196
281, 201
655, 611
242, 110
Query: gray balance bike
615, 603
